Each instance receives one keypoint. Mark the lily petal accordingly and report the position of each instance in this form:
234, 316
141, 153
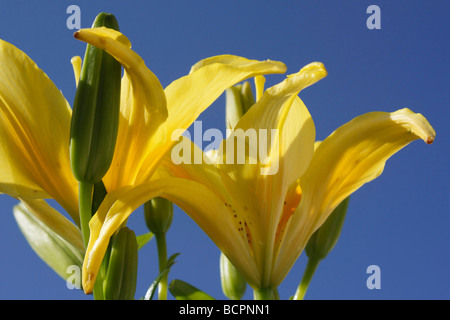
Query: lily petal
143, 107
190, 95
34, 133
212, 216
262, 185
147, 90
353, 155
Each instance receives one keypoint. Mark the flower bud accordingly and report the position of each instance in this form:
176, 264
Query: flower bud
233, 284
121, 275
158, 215
52, 245
95, 117
325, 238
239, 99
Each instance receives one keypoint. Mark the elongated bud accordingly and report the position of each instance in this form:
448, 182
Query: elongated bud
239, 99
96, 110
233, 284
121, 276
158, 215
58, 253
324, 239
129, 279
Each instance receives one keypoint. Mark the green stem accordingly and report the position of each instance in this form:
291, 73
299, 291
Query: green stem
162, 258
264, 294
86, 190
276, 295
307, 276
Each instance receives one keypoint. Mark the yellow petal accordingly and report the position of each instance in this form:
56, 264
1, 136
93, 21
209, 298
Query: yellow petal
350, 157
143, 107
259, 86
188, 97
34, 133
147, 90
212, 216
280, 124
137, 138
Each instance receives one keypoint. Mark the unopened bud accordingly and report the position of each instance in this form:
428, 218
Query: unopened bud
233, 284
158, 215
96, 109
58, 252
325, 238
239, 99
121, 275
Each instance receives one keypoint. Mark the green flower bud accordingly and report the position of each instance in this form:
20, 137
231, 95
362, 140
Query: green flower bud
239, 99
121, 276
50, 240
158, 214
325, 238
96, 108
320, 245
233, 284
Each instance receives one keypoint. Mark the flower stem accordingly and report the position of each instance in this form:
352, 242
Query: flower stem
86, 190
307, 276
264, 294
162, 258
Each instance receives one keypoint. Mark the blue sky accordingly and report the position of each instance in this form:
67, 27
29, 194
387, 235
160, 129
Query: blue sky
399, 222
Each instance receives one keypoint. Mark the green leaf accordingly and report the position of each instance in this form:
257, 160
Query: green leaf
152, 289
184, 291
143, 239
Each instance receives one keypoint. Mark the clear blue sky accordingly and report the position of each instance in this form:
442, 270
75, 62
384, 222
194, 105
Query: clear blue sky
400, 222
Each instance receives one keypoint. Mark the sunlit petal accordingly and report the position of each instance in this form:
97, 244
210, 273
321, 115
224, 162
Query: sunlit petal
34, 133
353, 155
280, 124
212, 215
143, 107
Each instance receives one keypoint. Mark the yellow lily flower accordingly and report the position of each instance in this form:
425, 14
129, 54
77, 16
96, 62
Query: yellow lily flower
262, 212
35, 118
